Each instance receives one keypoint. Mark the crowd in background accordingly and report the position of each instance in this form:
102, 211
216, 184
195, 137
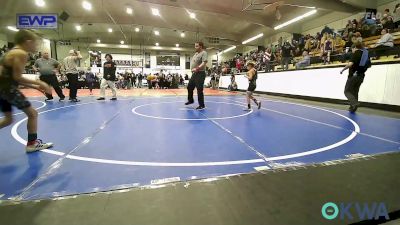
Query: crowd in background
298, 51
326, 43
128, 80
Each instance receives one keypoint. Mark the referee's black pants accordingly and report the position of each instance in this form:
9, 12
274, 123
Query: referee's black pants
197, 81
52, 81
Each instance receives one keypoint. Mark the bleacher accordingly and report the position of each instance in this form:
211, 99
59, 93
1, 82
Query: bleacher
369, 42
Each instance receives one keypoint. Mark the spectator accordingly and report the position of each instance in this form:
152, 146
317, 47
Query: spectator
322, 41
286, 52
238, 65
326, 50
353, 29
385, 40
233, 85
349, 25
267, 59
133, 80
386, 18
339, 44
369, 26
318, 36
304, 62
140, 80
308, 43
90, 79
356, 38
396, 16
327, 30
350, 40
384, 43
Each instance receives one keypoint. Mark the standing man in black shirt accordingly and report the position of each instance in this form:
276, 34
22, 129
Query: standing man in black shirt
109, 69
358, 65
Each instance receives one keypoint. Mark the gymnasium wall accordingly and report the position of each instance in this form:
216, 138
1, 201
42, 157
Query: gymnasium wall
3, 40
381, 84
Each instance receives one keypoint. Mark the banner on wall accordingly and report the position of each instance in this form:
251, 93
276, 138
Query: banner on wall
129, 63
168, 60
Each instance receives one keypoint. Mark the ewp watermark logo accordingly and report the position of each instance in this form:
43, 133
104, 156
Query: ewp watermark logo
363, 211
37, 21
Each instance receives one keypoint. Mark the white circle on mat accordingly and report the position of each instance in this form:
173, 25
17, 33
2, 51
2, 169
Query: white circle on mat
353, 134
134, 110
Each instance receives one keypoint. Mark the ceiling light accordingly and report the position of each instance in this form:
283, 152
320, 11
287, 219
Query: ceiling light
156, 32
129, 10
78, 27
137, 29
192, 15
155, 12
122, 42
295, 19
98, 41
40, 3
227, 50
157, 44
183, 34
109, 30
12, 28
253, 38
87, 5
177, 45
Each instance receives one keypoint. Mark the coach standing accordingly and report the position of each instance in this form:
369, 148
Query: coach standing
198, 67
70, 64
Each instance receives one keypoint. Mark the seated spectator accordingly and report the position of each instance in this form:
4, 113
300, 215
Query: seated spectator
384, 43
339, 44
347, 54
304, 62
297, 52
233, 85
318, 36
356, 37
385, 40
308, 43
368, 26
353, 29
396, 16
